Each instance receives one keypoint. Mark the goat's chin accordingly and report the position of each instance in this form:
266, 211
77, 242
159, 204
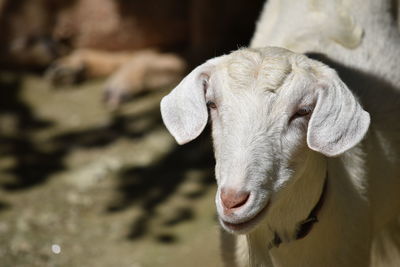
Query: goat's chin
246, 226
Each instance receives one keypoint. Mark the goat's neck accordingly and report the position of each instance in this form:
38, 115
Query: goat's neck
344, 205
292, 206
294, 203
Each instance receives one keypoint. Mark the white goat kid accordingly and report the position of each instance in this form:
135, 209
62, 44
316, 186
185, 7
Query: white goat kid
299, 179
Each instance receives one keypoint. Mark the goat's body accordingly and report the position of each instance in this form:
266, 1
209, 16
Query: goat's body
358, 222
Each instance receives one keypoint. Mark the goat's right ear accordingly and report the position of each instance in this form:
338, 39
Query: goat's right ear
184, 110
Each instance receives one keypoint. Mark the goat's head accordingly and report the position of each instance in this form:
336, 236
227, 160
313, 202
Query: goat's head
271, 111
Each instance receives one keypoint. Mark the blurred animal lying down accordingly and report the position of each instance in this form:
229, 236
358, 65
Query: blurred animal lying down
131, 72
141, 44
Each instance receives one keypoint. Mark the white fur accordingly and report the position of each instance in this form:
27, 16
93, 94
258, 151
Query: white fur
283, 160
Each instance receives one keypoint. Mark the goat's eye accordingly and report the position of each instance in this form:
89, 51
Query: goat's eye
211, 105
303, 111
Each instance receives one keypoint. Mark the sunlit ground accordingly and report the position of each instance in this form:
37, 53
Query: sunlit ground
81, 186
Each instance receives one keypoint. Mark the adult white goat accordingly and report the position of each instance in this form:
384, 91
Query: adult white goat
299, 178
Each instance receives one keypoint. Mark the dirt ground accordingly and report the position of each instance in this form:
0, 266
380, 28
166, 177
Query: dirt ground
81, 186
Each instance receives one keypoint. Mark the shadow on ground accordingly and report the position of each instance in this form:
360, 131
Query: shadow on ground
120, 126
32, 164
149, 187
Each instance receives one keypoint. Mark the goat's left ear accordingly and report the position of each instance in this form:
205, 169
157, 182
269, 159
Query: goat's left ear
338, 122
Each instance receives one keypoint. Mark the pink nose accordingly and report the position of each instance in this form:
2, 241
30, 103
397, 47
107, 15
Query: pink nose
232, 199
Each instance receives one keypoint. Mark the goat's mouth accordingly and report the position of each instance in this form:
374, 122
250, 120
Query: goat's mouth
246, 226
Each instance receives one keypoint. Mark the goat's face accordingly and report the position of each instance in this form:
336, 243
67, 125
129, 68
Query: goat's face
271, 111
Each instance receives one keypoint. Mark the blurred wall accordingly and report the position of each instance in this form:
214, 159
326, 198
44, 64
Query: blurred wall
35, 32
